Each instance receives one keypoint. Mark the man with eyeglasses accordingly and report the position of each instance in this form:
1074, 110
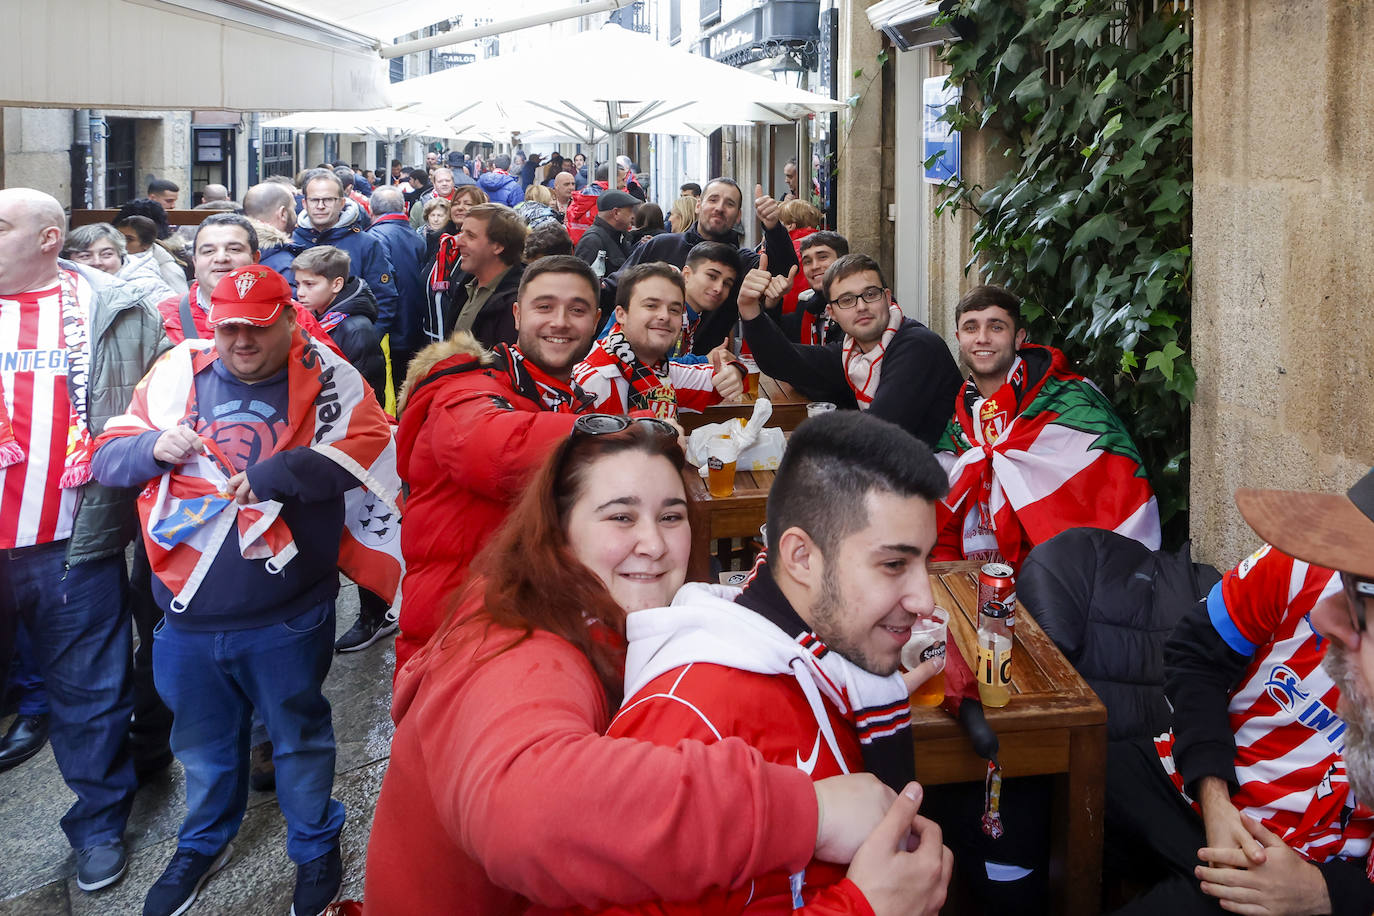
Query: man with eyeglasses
892, 366
330, 218
1029, 439
1257, 798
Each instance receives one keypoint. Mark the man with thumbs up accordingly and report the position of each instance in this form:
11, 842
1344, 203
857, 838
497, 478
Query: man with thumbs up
888, 364
718, 212
628, 369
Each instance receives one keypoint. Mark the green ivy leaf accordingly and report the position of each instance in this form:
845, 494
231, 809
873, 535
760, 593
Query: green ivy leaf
1107, 83
1163, 360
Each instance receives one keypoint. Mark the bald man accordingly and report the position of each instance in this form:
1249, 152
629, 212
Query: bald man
213, 192
76, 342
272, 205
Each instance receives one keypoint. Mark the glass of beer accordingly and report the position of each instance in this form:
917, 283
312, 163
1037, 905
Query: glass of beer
816, 408
721, 455
927, 641
751, 381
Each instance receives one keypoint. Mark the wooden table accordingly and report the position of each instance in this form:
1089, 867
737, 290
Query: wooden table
739, 515
789, 408
1054, 725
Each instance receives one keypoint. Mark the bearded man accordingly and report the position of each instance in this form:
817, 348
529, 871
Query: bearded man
1255, 801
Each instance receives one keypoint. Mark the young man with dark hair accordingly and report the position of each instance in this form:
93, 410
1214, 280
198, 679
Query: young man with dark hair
484, 283
164, 192
1257, 797
810, 323
1033, 448
718, 212
546, 240
690, 189
475, 423
803, 663
629, 370
894, 366
708, 277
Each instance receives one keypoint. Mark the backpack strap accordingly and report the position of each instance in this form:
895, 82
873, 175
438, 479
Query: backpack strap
189, 331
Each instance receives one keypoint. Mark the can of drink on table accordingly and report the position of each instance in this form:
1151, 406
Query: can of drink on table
997, 583
928, 638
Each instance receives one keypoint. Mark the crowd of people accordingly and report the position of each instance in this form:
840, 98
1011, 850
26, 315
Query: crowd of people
469, 381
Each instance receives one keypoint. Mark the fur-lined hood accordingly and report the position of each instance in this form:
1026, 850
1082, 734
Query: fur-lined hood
269, 236
460, 343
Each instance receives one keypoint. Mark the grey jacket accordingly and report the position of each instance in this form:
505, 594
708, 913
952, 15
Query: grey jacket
126, 337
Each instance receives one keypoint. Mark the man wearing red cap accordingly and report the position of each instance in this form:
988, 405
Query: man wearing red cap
244, 451
1257, 798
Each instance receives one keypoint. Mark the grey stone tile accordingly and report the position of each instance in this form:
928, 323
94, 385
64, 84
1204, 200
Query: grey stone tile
48, 900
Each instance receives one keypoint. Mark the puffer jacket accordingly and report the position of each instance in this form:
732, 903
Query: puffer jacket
406, 249
501, 187
141, 272
172, 271
349, 321
467, 443
1110, 603
367, 253
126, 336
277, 251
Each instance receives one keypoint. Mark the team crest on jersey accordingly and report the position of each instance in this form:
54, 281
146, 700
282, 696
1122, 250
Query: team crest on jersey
244, 282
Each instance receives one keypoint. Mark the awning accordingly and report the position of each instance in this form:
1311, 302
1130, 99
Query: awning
237, 55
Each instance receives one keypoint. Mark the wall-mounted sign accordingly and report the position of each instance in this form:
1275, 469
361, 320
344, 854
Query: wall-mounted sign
938, 138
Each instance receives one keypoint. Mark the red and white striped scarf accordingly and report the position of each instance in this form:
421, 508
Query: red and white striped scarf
330, 409
862, 370
76, 469
538, 385
650, 387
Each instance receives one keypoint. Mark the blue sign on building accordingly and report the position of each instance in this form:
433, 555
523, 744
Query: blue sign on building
938, 138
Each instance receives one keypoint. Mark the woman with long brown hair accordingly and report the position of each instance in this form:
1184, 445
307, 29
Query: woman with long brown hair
502, 793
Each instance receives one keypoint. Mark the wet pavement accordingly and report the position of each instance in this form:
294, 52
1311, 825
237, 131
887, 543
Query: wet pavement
38, 868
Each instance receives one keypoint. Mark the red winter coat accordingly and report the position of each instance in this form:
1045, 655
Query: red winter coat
800, 284
467, 443
501, 790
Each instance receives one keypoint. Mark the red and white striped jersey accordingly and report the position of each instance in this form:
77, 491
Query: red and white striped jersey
610, 390
34, 509
1289, 737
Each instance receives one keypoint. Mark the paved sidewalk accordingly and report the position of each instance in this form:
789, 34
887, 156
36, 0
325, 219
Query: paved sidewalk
37, 867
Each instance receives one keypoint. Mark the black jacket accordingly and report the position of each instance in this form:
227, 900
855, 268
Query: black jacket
357, 335
916, 389
1110, 603
810, 308
602, 236
673, 248
495, 323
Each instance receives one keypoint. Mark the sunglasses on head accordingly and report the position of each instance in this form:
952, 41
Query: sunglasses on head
602, 424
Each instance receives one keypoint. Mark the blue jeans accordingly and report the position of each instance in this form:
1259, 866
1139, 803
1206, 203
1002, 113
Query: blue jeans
26, 678
79, 628
212, 681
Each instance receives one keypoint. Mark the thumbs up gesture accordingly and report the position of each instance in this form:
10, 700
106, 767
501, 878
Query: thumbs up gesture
766, 207
752, 289
728, 377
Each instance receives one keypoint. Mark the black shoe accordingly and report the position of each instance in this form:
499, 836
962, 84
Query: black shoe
364, 633
146, 769
100, 866
26, 737
262, 771
318, 883
176, 890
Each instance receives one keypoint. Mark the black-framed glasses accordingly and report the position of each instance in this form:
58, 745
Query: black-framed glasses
849, 300
602, 424
1356, 591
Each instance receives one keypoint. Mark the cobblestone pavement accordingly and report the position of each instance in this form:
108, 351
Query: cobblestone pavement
38, 869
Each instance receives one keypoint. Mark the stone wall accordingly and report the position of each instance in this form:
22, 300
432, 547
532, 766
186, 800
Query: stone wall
863, 187
1283, 334
36, 148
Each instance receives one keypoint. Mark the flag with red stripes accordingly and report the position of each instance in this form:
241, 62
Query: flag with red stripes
1058, 457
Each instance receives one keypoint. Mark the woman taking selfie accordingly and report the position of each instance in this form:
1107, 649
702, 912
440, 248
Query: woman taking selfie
502, 791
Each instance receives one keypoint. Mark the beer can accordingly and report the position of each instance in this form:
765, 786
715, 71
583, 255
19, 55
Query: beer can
996, 583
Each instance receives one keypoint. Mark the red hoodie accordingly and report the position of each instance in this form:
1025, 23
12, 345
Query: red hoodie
502, 791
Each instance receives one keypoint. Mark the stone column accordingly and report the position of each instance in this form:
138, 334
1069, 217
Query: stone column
1283, 334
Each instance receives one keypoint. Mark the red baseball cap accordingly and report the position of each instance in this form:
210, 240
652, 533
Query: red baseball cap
253, 294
